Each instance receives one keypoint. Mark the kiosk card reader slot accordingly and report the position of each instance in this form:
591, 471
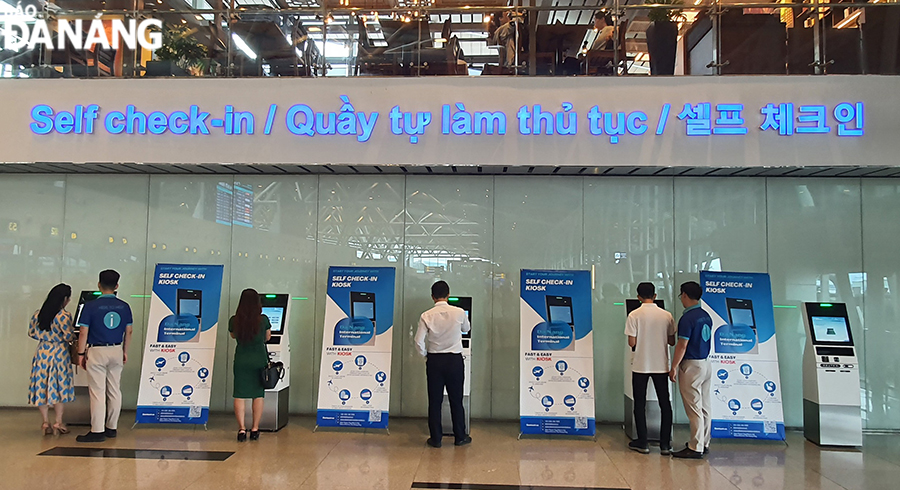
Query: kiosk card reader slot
464, 302
79, 411
276, 405
831, 400
654, 417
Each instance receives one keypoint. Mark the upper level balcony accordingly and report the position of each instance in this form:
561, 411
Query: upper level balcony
412, 38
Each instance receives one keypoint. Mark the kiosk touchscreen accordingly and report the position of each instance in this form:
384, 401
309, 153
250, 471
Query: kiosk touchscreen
275, 412
79, 411
654, 417
831, 400
464, 302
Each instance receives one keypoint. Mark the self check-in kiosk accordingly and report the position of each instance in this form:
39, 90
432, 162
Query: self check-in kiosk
79, 411
276, 401
831, 401
464, 302
654, 417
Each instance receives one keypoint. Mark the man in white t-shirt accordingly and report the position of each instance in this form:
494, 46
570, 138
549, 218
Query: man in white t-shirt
650, 330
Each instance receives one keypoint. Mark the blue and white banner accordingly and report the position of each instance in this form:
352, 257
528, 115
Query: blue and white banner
177, 366
556, 394
355, 375
746, 386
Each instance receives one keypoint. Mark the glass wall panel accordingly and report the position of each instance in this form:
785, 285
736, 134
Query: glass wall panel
814, 255
720, 225
449, 236
190, 221
881, 227
628, 239
274, 251
106, 228
360, 223
31, 246
538, 224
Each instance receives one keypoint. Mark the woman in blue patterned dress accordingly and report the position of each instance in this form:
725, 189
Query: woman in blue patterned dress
51, 370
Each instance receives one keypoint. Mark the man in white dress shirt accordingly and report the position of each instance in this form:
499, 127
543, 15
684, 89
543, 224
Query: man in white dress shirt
650, 330
439, 340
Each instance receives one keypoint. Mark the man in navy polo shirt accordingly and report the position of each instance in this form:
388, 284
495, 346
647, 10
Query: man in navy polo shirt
692, 368
105, 325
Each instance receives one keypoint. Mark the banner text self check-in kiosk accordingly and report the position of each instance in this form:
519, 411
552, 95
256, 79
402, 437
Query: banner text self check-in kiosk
464, 302
831, 400
276, 405
654, 417
79, 411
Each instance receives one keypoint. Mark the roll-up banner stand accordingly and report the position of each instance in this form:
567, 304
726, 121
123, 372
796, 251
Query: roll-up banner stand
746, 386
556, 344
355, 374
177, 366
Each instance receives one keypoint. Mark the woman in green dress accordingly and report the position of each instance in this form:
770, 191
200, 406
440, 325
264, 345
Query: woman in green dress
251, 329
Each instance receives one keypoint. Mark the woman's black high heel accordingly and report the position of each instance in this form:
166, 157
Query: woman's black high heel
242, 435
254, 435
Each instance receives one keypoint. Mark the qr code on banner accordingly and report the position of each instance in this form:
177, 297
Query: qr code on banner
770, 427
581, 423
374, 415
195, 412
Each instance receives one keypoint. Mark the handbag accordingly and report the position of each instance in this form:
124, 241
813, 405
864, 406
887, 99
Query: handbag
73, 351
272, 373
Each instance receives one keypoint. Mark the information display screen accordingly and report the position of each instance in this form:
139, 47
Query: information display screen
276, 318
830, 329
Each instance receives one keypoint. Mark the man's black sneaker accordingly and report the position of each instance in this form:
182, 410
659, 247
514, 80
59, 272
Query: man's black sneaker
665, 450
687, 453
463, 442
636, 446
431, 442
91, 437
110, 433
705, 450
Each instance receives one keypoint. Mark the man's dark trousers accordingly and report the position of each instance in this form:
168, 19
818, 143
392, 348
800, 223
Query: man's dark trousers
445, 370
639, 391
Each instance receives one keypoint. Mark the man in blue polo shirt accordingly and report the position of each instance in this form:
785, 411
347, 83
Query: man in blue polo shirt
692, 368
105, 326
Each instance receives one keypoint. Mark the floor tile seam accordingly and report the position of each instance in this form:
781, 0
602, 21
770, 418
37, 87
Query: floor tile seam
316, 467
612, 461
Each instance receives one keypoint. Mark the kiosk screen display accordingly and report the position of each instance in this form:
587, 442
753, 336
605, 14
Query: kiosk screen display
276, 318
86, 297
831, 329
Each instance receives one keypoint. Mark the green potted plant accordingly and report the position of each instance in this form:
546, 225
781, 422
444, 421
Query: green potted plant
662, 36
180, 54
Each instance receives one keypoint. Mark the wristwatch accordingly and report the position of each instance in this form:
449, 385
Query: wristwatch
81, 353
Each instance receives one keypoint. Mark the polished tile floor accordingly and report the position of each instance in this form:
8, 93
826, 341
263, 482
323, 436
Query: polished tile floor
298, 458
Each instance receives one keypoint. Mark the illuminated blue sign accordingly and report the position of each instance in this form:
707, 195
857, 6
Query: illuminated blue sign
703, 119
